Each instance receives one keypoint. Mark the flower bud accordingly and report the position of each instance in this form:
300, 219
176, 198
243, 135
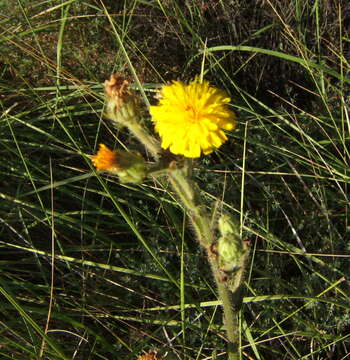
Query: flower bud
230, 247
227, 226
130, 167
122, 104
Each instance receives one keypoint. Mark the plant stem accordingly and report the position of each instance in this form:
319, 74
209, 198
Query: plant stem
196, 211
231, 314
150, 143
200, 219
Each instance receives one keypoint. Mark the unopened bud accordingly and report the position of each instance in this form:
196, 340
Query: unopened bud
227, 226
130, 167
230, 246
122, 104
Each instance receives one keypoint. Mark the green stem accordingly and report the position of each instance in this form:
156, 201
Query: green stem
202, 226
231, 307
231, 322
196, 211
151, 144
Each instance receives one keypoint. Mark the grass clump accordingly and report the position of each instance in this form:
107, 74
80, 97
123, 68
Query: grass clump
95, 269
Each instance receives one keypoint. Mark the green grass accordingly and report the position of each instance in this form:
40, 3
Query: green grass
94, 269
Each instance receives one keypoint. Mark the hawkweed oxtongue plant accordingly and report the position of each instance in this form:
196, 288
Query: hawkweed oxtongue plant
190, 120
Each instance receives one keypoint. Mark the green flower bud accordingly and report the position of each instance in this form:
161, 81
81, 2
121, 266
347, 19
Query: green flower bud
133, 167
230, 247
227, 226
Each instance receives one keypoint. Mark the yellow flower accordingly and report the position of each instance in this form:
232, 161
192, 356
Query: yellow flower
190, 119
105, 159
152, 355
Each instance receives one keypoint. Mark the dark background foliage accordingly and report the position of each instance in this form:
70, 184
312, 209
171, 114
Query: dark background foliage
120, 248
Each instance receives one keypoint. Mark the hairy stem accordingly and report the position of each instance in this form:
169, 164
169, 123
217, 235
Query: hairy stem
231, 322
200, 220
196, 211
150, 143
231, 303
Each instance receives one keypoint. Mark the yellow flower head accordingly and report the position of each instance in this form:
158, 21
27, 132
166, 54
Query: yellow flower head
190, 119
152, 355
105, 159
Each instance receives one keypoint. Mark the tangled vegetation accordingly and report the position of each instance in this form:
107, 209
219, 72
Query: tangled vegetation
96, 269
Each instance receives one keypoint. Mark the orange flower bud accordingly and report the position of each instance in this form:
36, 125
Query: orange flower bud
130, 167
105, 159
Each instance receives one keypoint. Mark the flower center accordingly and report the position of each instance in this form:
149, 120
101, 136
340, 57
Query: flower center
192, 113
